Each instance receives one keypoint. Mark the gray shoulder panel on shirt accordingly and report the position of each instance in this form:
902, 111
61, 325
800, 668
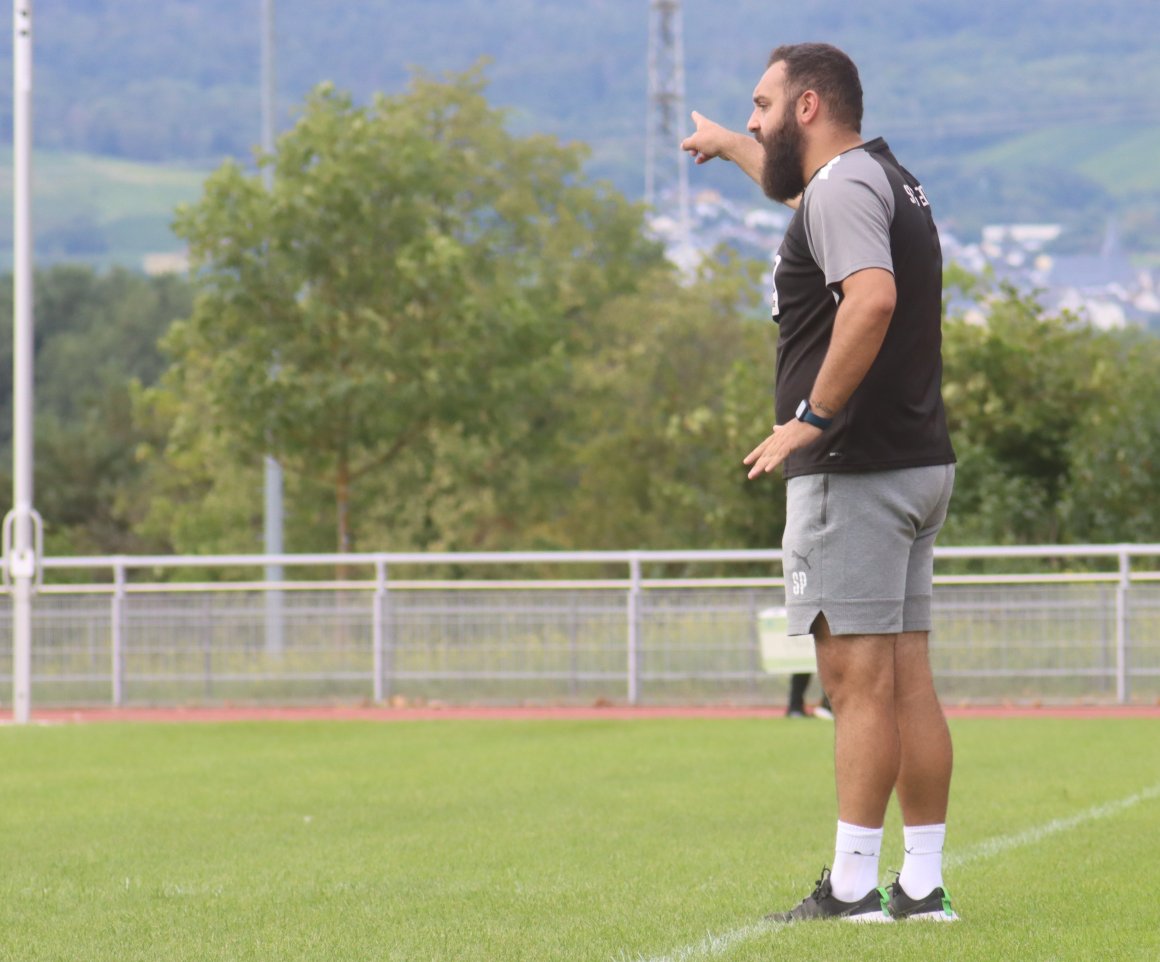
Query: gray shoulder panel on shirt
848, 208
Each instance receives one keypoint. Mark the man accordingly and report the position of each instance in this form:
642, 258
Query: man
798, 683
862, 435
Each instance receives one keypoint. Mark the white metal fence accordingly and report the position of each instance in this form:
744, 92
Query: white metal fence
1040, 623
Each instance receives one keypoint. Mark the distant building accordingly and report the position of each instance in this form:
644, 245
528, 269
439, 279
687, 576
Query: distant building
1028, 236
170, 263
1095, 272
1106, 288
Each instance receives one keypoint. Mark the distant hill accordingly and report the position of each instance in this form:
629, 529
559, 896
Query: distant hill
1046, 109
98, 210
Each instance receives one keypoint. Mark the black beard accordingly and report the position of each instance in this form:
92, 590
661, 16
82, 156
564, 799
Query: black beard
781, 174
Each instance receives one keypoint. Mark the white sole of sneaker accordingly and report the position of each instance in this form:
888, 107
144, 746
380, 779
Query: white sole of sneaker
870, 918
939, 916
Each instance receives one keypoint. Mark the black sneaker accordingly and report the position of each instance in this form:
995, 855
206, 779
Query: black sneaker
821, 904
935, 907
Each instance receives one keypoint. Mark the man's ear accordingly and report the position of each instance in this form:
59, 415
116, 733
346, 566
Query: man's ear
808, 106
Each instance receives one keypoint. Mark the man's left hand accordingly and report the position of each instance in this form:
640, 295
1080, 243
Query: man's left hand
786, 439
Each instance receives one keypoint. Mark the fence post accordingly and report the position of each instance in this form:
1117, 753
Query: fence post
1122, 686
118, 632
275, 613
207, 627
633, 629
378, 627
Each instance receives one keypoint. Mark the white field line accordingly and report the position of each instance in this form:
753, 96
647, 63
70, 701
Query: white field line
993, 846
715, 945
709, 946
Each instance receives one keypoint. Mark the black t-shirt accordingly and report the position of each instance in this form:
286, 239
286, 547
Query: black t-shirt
864, 210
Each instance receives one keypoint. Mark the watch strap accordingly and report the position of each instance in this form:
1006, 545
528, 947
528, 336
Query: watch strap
805, 413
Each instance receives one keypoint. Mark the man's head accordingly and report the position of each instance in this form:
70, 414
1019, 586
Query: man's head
804, 85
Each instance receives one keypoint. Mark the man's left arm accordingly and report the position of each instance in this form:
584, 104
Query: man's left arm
860, 325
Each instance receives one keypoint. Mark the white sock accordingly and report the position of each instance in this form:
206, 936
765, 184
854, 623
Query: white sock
922, 866
855, 870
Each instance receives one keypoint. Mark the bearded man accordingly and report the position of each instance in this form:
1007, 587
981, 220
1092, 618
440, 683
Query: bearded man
862, 435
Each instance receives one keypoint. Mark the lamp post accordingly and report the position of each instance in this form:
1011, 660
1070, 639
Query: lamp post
22, 524
273, 512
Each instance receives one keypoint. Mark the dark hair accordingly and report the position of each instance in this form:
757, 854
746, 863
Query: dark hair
827, 71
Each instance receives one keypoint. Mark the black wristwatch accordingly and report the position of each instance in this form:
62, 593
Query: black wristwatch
804, 413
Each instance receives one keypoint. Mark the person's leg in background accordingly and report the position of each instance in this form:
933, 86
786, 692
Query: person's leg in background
797, 695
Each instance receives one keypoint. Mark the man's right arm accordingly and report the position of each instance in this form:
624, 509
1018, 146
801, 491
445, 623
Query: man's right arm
712, 140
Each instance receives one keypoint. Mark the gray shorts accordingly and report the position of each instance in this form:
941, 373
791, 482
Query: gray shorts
860, 549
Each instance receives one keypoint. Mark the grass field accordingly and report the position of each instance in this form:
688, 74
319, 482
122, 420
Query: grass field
660, 839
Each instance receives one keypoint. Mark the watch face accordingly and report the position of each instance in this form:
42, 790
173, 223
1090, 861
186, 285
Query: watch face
802, 408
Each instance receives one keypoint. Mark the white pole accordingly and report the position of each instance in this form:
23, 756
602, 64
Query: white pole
272, 497
378, 629
1122, 587
21, 552
117, 629
633, 667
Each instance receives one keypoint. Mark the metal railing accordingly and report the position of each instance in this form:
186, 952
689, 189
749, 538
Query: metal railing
1077, 623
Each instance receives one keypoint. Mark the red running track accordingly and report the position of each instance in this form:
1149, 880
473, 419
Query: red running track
560, 713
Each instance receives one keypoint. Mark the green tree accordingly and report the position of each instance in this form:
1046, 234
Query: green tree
676, 389
408, 288
1052, 423
1014, 389
1115, 449
96, 341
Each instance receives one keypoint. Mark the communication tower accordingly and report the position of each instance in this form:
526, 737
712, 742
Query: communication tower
666, 173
